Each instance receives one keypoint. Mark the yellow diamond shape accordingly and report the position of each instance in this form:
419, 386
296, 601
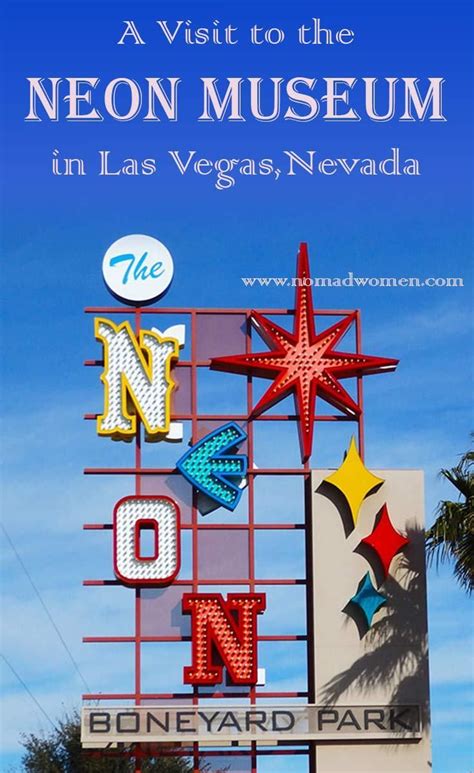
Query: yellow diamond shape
354, 480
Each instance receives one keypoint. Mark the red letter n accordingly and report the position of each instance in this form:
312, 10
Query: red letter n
223, 633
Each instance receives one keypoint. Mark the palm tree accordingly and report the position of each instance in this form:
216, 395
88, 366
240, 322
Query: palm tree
452, 535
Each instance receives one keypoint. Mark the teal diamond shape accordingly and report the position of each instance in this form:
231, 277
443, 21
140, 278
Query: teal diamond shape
368, 598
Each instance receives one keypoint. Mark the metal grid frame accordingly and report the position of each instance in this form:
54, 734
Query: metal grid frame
195, 526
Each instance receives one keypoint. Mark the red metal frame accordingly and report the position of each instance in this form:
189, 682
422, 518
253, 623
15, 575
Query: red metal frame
195, 526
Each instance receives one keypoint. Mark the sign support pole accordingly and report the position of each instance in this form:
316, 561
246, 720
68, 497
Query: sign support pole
138, 462
309, 607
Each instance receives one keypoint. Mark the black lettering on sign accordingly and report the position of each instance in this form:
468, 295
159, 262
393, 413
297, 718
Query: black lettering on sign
152, 718
183, 718
208, 720
396, 722
289, 716
349, 720
124, 715
229, 720
260, 723
99, 722
374, 717
329, 716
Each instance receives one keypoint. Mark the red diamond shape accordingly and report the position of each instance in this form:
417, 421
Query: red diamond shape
385, 539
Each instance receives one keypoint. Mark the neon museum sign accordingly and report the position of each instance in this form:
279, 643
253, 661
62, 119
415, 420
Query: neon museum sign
138, 386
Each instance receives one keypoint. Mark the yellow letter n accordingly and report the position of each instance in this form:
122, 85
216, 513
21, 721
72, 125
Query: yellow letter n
137, 380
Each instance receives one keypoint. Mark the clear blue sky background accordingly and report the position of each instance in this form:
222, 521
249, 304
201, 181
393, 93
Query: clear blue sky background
56, 230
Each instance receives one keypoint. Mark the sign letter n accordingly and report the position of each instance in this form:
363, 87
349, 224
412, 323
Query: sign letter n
137, 380
224, 633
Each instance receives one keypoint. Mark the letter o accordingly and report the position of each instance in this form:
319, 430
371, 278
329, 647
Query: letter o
161, 514
135, 98
274, 36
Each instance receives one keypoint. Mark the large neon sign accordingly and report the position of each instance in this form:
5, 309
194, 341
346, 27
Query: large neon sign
217, 598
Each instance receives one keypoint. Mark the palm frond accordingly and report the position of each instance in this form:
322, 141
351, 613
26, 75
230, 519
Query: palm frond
451, 537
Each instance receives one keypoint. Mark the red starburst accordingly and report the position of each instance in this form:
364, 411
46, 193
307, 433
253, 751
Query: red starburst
304, 363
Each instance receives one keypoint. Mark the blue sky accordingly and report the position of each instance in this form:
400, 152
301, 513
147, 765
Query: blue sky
56, 230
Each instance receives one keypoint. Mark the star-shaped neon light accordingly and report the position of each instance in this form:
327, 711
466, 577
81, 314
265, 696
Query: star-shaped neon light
354, 480
303, 362
385, 539
368, 599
